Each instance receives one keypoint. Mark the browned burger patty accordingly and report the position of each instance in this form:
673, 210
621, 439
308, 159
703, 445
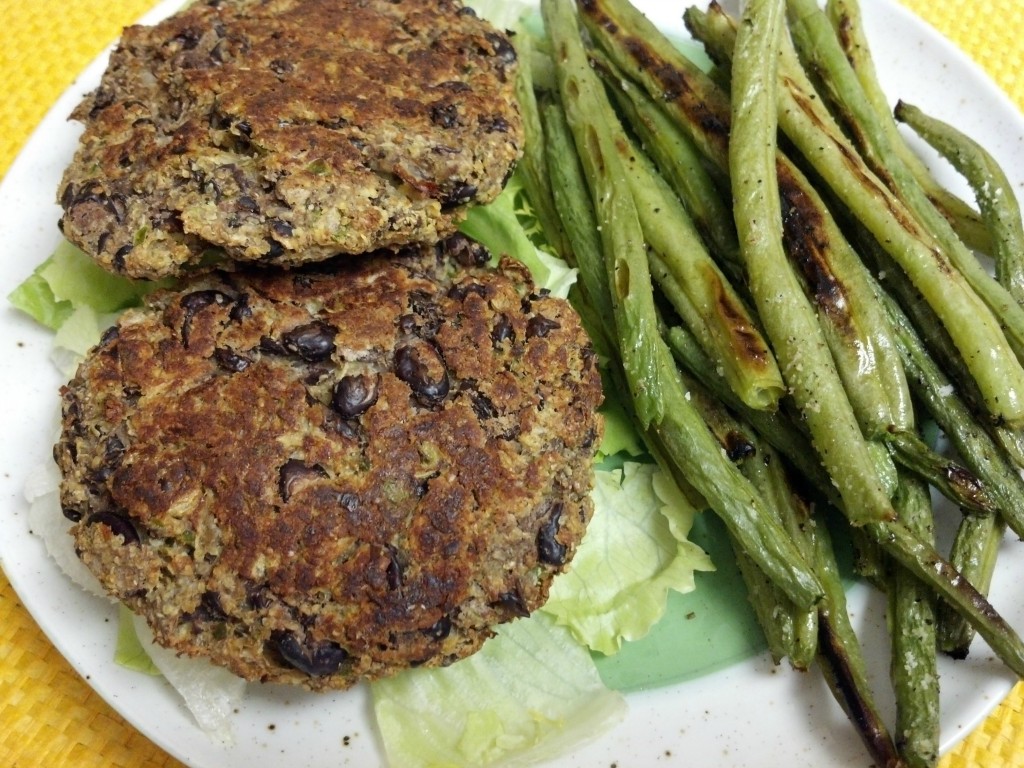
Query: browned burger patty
336, 472
285, 131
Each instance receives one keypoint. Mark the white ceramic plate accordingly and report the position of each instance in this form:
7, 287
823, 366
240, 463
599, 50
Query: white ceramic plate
751, 714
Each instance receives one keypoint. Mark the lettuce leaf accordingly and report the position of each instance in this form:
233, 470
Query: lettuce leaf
530, 694
504, 14
212, 694
70, 280
74, 277
35, 298
42, 492
634, 551
130, 653
499, 225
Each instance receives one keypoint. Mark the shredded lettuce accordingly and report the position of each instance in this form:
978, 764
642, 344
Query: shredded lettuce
530, 694
632, 554
76, 336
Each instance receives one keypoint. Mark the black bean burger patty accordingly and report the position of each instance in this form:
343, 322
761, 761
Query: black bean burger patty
331, 473
283, 131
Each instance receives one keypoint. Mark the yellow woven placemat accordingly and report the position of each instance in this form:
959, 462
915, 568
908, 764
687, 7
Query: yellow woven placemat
48, 715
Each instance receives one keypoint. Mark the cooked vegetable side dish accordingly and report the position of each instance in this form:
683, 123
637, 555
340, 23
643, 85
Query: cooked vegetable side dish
865, 290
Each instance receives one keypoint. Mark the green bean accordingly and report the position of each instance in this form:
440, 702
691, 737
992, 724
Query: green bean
622, 244
846, 19
683, 167
769, 472
787, 315
920, 558
676, 426
974, 553
691, 452
841, 659
534, 164
816, 39
913, 667
673, 427
775, 615
953, 480
776, 428
993, 190
712, 308
869, 560
576, 213
974, 444
791, 632
978, 537
916, 555
1010, 438
857, 333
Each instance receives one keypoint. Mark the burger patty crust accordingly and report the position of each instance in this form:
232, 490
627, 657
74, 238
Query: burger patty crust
331, 473
285, 131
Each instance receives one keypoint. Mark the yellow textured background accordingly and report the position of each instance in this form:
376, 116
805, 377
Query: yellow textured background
49, 717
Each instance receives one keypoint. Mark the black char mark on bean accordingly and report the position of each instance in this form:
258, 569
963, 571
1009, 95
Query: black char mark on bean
549, 549
855, 165
738, 447
314, 659
675, 83
807, 244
